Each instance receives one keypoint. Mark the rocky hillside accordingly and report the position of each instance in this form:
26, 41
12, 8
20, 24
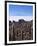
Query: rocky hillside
21, 30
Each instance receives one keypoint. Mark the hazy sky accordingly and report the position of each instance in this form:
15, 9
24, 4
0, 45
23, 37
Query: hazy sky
20, 10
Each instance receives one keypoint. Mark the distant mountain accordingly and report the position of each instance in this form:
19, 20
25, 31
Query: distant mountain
21, 20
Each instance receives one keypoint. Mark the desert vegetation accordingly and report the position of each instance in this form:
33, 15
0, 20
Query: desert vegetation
21, 30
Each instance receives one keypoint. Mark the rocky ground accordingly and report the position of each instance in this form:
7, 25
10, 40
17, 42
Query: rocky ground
21, 30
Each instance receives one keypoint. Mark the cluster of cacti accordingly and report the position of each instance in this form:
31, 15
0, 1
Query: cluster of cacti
22, 30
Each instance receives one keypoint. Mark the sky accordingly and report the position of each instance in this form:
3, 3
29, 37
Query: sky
16, 18
22, 11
